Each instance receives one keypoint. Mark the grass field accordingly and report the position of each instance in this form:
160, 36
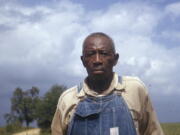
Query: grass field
171, 128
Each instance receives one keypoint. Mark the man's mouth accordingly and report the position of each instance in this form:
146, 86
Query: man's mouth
98, 71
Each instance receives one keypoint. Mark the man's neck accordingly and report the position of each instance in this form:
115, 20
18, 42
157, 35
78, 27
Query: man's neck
99, 84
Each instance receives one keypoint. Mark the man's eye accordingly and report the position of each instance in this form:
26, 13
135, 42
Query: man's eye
89, 53
104, 53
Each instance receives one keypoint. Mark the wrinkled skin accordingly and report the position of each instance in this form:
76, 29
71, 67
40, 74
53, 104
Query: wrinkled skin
99, 58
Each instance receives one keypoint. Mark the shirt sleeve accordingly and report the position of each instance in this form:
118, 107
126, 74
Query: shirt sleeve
150, 124
56, 125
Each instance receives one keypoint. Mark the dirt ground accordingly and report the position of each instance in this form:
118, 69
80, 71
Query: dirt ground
35, 131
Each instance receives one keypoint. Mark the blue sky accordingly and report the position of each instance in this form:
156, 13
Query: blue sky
41, 45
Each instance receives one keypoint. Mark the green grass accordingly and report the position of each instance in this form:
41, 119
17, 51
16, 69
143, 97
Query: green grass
171, 128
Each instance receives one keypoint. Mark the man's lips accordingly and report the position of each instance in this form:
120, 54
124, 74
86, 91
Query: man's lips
98, 71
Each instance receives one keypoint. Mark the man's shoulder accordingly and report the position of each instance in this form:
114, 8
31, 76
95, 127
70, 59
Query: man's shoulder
132, 80
134, 84
68, 96
70, 91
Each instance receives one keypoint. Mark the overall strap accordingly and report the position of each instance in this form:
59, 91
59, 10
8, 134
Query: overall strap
119, 79
132, 112
79, 87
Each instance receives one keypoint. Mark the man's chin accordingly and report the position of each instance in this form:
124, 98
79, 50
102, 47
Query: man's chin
98, 75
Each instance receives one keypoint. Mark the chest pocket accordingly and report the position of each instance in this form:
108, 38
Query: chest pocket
85, 109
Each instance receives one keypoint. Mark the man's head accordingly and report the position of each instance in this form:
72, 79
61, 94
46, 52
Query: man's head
99, 56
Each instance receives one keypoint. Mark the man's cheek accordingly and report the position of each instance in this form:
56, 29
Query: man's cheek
109, 62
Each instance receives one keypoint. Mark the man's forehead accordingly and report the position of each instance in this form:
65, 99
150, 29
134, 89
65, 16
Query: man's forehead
97, 41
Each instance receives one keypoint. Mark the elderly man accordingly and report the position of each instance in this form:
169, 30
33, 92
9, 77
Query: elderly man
105, 103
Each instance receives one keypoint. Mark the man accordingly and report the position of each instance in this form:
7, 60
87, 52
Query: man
105, 104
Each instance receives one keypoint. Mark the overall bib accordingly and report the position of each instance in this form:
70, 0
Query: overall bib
106, 115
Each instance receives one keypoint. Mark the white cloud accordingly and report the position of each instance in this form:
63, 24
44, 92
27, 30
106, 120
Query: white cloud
173, 8
48, 40
172, 34
127, 19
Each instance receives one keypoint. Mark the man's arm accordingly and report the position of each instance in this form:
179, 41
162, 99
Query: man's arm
66, 104
150, 124
56, 126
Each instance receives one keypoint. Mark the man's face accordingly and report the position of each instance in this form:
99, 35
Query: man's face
99, 56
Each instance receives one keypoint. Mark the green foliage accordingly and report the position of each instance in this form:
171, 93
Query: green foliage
10, 118
27, 106
12, 128
16, 126
23, 106
2, 131
171, 128
47, 105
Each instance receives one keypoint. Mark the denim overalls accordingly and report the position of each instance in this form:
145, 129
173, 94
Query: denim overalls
106, 115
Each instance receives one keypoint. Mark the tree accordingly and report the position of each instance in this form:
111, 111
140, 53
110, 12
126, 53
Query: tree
10, 118
13, 124
23, 104
47, 106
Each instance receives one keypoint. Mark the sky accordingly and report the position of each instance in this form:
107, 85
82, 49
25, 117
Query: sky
41, 40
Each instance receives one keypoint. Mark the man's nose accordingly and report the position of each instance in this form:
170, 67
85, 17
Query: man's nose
97, 59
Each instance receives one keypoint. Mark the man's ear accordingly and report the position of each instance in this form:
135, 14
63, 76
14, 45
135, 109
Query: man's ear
82, 59
116, 57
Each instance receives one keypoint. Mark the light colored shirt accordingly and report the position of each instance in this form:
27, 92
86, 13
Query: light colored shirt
132, 90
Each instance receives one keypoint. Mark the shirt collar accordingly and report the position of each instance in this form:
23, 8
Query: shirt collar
116, 84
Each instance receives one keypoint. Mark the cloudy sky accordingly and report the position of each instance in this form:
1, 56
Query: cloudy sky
40, 45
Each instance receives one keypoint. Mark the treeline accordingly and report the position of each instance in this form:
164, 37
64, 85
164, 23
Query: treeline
28, 106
